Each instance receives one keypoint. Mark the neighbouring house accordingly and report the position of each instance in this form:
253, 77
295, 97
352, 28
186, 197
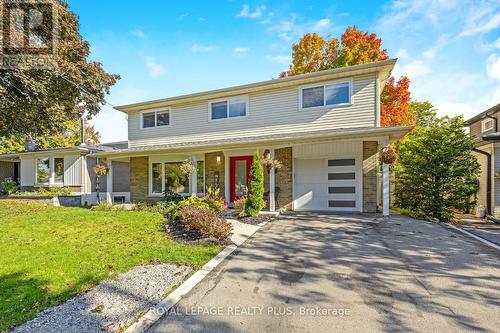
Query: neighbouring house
484, 129
324, 128
67, 167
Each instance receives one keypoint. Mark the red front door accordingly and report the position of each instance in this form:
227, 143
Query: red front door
239, 173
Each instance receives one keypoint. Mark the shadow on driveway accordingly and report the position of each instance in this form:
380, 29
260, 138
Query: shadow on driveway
323, 272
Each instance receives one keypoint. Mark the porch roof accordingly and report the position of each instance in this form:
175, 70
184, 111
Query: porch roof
392, 133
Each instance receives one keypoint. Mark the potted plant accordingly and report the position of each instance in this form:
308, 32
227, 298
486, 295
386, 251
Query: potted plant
269, 163
389, 155
187, 167
100, 169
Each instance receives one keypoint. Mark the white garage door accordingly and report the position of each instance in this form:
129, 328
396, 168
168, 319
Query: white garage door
327, 184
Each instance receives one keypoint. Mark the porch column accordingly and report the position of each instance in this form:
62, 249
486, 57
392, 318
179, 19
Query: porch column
194, 177
272, 185
385, 189
109, 183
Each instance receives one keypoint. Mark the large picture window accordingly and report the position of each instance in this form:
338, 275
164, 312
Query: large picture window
49, 170
167, 176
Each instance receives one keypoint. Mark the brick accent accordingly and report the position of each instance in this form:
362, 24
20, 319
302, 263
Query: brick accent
214, 170
370, 162
284, 177
139, 179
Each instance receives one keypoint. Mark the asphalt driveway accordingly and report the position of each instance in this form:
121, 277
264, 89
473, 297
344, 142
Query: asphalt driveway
326, 273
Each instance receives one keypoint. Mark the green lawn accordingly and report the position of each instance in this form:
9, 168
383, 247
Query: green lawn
49, 254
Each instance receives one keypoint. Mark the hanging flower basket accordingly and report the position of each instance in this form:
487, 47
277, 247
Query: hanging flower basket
270, 163
389, 155
187, 167
101, 169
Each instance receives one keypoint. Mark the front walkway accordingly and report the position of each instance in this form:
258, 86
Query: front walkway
324, 273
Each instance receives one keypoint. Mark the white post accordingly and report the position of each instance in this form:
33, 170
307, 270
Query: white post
385, 189
272, 186
109, 183
194, 177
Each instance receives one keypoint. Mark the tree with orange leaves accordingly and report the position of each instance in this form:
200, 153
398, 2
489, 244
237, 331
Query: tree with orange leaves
395, 109
313, 53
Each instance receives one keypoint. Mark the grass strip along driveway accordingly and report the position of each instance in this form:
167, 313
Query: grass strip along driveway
49, 254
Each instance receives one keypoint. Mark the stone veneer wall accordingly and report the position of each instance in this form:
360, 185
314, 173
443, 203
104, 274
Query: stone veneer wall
139, 179
370, 161
284, 177
211, 169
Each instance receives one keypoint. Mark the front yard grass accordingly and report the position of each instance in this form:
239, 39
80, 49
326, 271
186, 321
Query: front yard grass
50, 254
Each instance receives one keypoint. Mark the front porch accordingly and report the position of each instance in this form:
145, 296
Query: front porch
335, 175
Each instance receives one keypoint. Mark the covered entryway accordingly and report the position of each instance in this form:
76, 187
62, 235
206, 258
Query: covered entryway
329, 183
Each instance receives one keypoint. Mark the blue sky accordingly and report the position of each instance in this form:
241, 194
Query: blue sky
449, 49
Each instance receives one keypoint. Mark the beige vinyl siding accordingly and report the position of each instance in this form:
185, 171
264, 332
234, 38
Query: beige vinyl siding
270, 112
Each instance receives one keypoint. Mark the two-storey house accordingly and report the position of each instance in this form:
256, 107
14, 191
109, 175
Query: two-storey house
324, 127
484, 130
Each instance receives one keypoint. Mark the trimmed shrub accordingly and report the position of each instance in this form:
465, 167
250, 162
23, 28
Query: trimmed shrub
255, 199
206, 221
170, 196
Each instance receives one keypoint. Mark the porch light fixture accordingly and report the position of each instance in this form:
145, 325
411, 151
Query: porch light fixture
218, 159
267, 154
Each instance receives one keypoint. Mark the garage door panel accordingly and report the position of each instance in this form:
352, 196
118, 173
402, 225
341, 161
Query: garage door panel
327, 184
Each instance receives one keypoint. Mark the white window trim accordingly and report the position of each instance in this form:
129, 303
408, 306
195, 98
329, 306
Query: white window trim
487, 125
229, 99
156, 118
51, 181
150, 178
324, 106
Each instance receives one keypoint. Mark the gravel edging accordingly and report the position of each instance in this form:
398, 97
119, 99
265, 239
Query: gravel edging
112, 304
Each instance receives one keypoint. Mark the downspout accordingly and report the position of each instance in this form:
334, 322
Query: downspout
488, 181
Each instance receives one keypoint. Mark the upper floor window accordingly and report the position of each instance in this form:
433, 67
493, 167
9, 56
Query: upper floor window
155, 118
487, 124
230, 108
333, 94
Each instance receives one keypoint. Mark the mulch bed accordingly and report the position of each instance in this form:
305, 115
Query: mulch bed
178, 231
256, 220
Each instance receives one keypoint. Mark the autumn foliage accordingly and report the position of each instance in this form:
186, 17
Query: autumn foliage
395, 101
314, 53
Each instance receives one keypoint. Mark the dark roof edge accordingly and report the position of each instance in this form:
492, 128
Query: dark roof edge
493, 109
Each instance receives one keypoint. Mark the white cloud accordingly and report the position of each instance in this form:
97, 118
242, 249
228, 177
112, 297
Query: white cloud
154, 68
240, 50
197, 48
402, 54
412, 69
280, 59
322, 25
247, 13
139, 33
493, 66
201, 19
108, 115
456, 109
481, 20
181, 17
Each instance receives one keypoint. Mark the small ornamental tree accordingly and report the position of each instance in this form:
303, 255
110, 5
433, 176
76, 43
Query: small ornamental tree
255, 197
436, 171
